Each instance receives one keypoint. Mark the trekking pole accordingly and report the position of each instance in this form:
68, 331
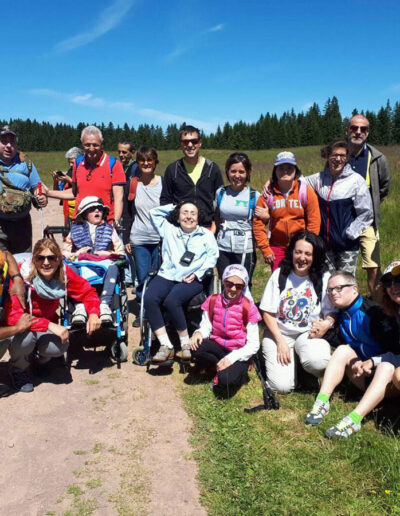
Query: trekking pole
40, 192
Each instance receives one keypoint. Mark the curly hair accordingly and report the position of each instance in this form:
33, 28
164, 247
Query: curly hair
51, 245
318, 265
174, 215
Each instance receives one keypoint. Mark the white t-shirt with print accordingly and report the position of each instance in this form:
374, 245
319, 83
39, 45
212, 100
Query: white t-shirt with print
296, 307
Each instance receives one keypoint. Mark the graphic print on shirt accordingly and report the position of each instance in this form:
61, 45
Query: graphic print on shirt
296, 306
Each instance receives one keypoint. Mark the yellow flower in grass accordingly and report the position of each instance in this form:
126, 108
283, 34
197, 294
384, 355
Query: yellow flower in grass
387, 491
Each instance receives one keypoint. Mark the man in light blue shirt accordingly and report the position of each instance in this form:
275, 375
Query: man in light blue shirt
16, 225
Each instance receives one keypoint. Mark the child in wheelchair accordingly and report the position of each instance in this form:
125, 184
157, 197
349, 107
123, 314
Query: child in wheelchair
96, 242
228, 334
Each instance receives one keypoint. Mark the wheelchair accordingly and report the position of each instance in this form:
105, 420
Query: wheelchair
142, 354
113, 336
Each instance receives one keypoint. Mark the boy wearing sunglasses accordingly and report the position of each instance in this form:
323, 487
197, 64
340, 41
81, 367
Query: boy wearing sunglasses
192, 178
367, 338
372, 165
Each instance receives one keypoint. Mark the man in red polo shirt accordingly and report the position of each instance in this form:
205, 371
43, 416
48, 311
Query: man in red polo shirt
96, 174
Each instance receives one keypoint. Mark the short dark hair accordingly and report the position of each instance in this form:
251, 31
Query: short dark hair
132, 146
335, 144
239, 157
186, 129
146, 153
174, 215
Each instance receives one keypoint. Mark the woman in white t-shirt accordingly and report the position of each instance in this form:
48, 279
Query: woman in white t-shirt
297, 313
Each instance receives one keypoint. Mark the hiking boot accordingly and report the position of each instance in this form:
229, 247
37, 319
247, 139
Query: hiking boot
79, 315
136, 323
319, 410
343, 429
163, 354
20, 380
105, 313
186, 353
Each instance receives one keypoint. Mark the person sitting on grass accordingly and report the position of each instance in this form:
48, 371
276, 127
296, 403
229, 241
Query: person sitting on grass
92, 234
368, 333
188, 251
49, 281
228, 334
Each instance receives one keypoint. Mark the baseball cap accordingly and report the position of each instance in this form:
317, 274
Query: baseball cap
6, 129
285, 157
393, 269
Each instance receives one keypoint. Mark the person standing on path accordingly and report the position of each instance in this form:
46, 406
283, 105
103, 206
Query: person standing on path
19, 181
372, 165
96, 174
192, 178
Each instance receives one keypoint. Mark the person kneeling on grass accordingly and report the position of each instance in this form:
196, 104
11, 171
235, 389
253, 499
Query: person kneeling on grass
369, 334
92, 234
228, 334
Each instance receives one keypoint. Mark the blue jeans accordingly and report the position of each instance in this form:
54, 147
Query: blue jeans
146, 258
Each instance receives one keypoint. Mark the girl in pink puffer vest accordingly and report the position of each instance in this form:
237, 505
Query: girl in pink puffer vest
228, 334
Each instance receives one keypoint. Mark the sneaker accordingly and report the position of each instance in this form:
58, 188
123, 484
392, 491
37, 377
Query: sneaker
105, 313
79, 316
343, 429
136, 323
319, 410
186, 353
20, 380
164, 353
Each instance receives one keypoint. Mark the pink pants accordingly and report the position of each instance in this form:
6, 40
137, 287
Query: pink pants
279, 252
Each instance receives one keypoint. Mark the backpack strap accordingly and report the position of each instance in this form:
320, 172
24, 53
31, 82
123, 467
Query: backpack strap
303, 193
133, 183
112, 163
211, 306
282, 280
246, 311
270, 200
252, 203
221, 193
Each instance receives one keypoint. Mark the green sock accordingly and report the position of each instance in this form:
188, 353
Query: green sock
323, 397
355, 417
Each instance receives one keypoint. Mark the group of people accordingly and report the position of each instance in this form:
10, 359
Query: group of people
308, 229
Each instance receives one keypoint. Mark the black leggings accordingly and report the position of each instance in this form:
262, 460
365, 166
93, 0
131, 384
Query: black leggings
226, 259
210, 353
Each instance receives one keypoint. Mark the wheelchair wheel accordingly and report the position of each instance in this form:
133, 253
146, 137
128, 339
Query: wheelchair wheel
140, 357
121, 349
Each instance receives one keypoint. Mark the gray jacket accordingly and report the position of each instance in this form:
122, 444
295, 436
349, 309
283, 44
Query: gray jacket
380, 180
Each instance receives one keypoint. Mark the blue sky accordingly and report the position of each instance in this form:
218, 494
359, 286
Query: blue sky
199, 61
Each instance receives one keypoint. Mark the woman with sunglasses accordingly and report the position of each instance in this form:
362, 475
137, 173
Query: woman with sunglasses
228, 334
141, 238
345, 206
48, 280
289, 205
235, 210
295, 298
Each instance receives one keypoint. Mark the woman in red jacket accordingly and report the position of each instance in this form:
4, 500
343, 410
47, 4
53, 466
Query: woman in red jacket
291, 206
49, 280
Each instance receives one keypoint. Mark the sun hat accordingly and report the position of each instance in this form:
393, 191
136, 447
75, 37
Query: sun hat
285, 157
393, 270
91, 201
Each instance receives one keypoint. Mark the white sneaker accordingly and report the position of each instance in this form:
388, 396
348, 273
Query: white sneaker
105, 313
79, 315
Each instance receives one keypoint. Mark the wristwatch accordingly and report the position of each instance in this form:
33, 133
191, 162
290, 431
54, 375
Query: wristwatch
18, 275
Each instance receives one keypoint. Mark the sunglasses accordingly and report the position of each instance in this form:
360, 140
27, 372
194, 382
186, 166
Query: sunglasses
388, 281
193, 141
94, 208
230, 284
240, 155
339, 288
51, 258
363, 128
143, 161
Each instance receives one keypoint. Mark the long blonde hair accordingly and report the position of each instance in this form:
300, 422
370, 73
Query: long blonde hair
51, 245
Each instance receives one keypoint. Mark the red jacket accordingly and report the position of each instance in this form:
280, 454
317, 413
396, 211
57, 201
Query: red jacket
45, 310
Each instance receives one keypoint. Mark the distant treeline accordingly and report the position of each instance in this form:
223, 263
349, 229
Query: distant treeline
315, 127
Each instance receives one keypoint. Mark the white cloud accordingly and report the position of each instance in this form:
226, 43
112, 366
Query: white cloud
107, 20
88, 99
216, 28
196, 40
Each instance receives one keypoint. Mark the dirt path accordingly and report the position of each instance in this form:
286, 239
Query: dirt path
115, 442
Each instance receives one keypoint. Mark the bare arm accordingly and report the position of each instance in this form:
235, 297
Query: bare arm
118, 194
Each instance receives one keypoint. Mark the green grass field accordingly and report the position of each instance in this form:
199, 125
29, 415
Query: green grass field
270, 462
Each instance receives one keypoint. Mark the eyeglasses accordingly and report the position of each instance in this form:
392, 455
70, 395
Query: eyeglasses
230, 284
387, 281
339, 157
143, 161
193, 141
51, 258
363, 128
339, 288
